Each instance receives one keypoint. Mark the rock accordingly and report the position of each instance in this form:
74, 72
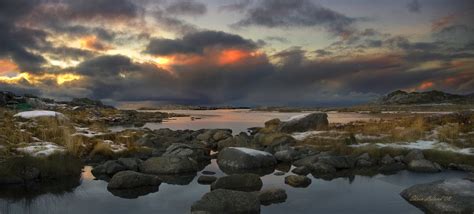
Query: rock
206, 179
168, 165
297, 181
134, 193
221, 135
462, 167
415, 154
240, 182
240, 140
272, 125
391, 168
302, 170
338, 162
279, 173
272, 196
208, 173
423, 166
274, 141
131, 179
363, 163
387, 159
285, 155
364, 156
445, 196
196, 152
109, 168
307, 161
227, 201
314, 121
130, 163
244, 158
323, 168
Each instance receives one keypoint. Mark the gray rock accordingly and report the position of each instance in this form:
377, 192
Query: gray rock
415, 154
285, 155
208, 173
323, 168
272, 196
168, 165
307, 161
196, 152
423, 166
297, 181
446, 196
314, 121
244, 158
131, 179
240, 182
279, 173
462, 167
130, 163
206, 179
338, 162
227, 201
109, 168
302, 170
364, 156
392, 168
240, 140
363, 163
387, 159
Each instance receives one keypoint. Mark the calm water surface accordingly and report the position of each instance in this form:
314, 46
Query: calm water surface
378, 194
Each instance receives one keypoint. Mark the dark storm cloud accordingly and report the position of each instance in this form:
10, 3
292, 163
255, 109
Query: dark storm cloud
105, 65
90, 9
172, 23
187, 7
297, 13
414, 6
195, 43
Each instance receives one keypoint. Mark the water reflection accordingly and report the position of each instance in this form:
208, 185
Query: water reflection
348, 194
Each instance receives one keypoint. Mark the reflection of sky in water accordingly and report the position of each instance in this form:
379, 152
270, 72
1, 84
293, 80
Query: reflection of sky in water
239, 120
379, 194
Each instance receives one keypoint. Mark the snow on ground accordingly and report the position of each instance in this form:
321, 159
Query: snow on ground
252, 152
39, 113
297, 117
115, 147
39, 149
304, 135
423, 145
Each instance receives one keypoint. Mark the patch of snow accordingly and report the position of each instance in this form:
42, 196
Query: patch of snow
304, 135
297, 117
115, 147
369, 137
423, 145
39, 113
41, 149
252, 152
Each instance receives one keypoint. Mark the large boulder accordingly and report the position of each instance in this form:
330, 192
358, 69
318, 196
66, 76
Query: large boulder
107, 169
194, 151
287, 155
240, 140
169, 165
423, 165
131, 179
240, 182
272, 196
245, 158
227, 201
314, 121
445, 196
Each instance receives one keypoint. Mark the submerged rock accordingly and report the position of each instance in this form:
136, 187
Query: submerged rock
314, 121
297, 180
272, 196
244, 158
227, 201
423, 166
240, 182
169, 165
446, 196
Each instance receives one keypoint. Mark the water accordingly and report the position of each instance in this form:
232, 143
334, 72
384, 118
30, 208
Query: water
240, 120
362, 194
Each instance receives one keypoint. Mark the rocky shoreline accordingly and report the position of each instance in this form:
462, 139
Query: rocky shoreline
152, 157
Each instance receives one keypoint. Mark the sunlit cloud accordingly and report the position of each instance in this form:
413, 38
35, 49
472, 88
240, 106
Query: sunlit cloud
33, 79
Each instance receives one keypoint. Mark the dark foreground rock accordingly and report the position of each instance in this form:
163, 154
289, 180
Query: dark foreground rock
314, 121
206, 179
169, 165
297, 181
446, 196
272, 196
239, 182
131, 179
245, 158
227, 201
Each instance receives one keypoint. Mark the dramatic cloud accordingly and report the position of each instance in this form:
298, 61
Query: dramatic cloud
187, 7
238, 6
298, 13
195, 43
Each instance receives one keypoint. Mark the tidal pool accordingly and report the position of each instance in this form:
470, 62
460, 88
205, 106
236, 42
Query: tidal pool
358, 194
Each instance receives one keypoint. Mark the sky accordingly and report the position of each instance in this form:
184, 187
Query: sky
235, 52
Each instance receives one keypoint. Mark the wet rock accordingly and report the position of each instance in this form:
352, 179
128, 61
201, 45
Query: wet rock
208, 173
194, 151
240, 140
391, 168
168, 165
130, 163
272, 196
279, 173
462, 167
274, 141
423, 166
314, 121
206, 179
221, 135
302, 170
286, 155
307, 161
338, 162
107, 169
297, 180
244, 158
239, 182
446, 196
415, 154
272, 125
227, 201
134, 192
322, 168
387, 159
131, 179
177, 179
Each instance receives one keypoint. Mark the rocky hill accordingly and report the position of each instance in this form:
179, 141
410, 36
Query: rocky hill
430, 97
